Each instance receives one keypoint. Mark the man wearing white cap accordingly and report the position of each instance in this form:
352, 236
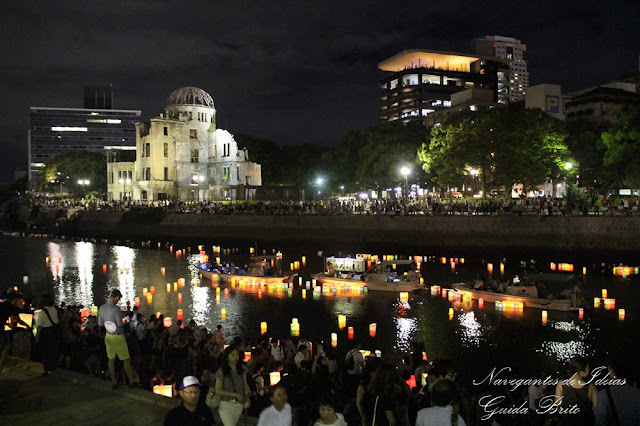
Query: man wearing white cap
190, 412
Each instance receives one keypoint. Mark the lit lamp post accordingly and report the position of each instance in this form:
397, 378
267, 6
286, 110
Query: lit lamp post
473, 173
319, 182
83, 183
195, 181
124, 183
405, 171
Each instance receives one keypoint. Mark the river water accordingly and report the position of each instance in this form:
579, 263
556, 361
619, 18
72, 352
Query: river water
478, 339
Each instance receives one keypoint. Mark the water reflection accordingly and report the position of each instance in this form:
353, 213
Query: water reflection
201, 306
471, 329
125, 260
84, 255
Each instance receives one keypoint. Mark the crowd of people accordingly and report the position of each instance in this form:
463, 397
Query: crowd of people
428, 205
219, 378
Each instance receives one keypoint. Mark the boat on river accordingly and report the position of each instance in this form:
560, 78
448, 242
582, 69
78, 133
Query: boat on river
525, 294
262, 270
353, 272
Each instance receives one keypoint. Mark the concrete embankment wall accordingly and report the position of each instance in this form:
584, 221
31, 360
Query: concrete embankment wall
476, 232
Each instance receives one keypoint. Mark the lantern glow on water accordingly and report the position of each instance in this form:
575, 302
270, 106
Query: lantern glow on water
621, 314
404, 296
334, 340
596, 302
263, 327
223, 313
180, 298
604, 293
545, 317
372, 329
342, 321
350, 333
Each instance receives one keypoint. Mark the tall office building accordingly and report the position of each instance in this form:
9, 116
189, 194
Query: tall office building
100, 97
512, 85
55, 131
420, 83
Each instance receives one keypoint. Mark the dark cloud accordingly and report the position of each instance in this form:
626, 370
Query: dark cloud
293, 72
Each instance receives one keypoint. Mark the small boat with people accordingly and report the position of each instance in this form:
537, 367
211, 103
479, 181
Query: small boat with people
261, 269
540, 291
385, 275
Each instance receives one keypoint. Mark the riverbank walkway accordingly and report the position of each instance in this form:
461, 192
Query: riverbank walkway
70, 398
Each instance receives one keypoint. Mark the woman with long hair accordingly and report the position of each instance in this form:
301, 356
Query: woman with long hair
385, 398
578, 391
231, 386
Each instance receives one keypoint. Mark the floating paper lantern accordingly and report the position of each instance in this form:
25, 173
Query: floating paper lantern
94, 309
424, 356
294, 320
443, 260
604, 293
501, 268
490, 268
153, 290
164, 390
166, 321
450, 312
378, 353
295, 329
168, 287
217, 299
596, 302
584, 270
304, 260
144, 291
136, 301
372, 329
342, 321
180, 298
226, 293
621, 314
247, 356
149, 298
545, 317
424, 379
404, 296
444, 293
304, 293
223, 313
218, 291
552, 266
179, 314
274, 378
334, 340
481, 303
48, 259
263, 327
350, 333
580, 313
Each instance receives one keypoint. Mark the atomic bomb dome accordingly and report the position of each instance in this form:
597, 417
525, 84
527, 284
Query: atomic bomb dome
190, 96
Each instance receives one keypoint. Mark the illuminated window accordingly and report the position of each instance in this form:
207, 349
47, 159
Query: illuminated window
195, 156
226, 174
393, 84
446, 103
430, 79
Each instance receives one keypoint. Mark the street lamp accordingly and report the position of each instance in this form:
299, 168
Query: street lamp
83, 182
319, 183
196, 180
473, 173
124, 183
405, 171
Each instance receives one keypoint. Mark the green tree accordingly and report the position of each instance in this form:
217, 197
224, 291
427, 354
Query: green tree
66, 169
585, 143
622, 142
266, 153
373, 157
504, 146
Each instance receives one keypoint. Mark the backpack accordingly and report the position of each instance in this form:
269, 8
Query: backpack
351, 363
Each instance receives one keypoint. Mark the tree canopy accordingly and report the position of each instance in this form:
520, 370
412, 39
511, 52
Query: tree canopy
373, 157
503, 146
622, 143
66, 169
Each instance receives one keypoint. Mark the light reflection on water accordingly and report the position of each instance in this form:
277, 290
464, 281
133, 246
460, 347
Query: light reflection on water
74, 275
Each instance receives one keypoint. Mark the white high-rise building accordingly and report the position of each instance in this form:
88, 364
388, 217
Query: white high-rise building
512, 86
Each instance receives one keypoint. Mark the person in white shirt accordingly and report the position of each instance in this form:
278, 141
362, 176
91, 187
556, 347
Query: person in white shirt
302, 355
443, 395
279, 413
276, 351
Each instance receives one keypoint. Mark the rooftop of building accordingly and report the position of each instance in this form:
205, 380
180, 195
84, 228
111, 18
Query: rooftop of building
422, 58
190, 96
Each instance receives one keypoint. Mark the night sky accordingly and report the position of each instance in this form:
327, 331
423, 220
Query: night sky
293, 72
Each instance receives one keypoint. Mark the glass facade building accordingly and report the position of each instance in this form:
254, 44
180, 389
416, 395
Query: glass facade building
55, 131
